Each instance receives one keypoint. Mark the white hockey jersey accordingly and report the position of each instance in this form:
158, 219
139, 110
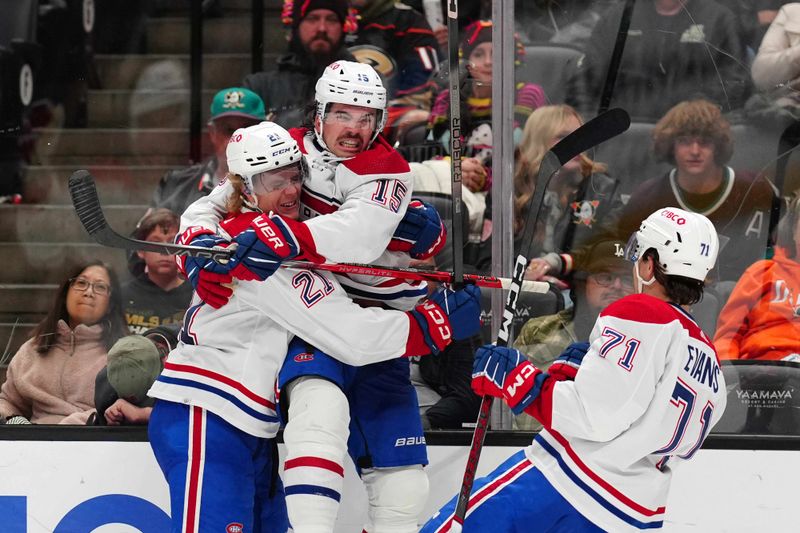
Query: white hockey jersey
365, 197
228, 359
646, 395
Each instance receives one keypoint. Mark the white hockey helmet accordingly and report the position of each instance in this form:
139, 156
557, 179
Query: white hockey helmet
686, 242
349, 82
261, 148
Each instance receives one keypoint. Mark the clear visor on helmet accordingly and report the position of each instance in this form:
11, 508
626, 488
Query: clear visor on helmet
278, 179
357, 119
632, 248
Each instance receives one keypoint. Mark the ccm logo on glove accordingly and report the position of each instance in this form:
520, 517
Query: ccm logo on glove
439, 319
525, 372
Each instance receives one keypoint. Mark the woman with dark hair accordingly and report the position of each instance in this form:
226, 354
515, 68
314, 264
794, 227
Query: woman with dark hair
51, 378
761, 319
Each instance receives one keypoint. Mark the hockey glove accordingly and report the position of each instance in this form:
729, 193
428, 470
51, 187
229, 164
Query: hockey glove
448, 315
505, 373
208, 277
568, 363
263, 246
420, 233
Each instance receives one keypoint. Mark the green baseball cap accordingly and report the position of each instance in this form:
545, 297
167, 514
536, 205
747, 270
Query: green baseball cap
237, 102
133, 365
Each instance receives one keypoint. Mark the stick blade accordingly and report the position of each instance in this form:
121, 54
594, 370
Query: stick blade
86, 202
598, 130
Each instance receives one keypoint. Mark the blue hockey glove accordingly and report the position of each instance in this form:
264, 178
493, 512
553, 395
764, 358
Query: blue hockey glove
568, 363
448, 315
421, 232
505, 373
208, 278
263, 246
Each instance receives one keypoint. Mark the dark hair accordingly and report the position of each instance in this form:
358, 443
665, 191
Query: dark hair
157, 218
680, 289
114, 324
787, 225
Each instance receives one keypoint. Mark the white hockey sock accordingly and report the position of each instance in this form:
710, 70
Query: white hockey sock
316, 446
397, 496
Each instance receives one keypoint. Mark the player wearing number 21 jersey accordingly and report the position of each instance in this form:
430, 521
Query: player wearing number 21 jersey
619, 412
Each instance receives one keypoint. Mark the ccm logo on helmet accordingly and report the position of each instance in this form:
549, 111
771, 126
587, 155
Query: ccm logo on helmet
281, 151
679, 220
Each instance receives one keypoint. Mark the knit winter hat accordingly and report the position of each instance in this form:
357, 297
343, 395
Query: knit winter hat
133, 365
295, 10
480, 32
477, 33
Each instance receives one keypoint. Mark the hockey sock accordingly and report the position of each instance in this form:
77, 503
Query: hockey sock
397, 496
316, 446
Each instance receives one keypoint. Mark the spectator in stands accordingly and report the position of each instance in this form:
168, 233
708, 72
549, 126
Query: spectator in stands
776, 70
475, 50
558, 21
50, 380
577, 199
435, 13
316, 40
675, 50
442, 382
603, 278
158, 295
761, 319
400, 45
767, 11
231, 109
696, 138
120, 392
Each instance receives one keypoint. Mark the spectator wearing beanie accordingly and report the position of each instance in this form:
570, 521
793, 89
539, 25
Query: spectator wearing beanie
316, 40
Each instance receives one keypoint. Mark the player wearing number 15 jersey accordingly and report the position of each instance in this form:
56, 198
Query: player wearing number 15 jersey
619, 412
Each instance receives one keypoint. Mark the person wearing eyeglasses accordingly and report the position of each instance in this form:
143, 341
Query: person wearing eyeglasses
601, 280
50, 379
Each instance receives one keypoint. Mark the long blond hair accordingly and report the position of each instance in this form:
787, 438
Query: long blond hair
235, 201
540, 129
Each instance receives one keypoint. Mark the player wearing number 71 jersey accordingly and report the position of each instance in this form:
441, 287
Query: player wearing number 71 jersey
619, 412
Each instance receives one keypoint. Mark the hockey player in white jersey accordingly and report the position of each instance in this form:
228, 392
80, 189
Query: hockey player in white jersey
363, 187
620, 412
213, 425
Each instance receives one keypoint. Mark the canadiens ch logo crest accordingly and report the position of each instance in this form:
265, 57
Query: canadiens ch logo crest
234, 527
303, 357
585, 212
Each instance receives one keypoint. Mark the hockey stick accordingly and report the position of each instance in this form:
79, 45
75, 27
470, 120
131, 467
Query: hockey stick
457, 216
789, 140
616, 57
592, 133
87, 206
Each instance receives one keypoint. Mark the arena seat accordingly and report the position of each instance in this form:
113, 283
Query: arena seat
414, 146
629, 156
549, 65
763, 398
529, 305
